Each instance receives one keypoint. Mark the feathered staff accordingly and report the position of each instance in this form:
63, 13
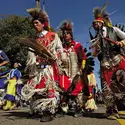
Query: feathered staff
38, 49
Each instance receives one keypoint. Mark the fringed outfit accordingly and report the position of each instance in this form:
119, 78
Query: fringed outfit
70, 79
41, 89
14, 76
109, 47
90, 104
71, 64
112, 64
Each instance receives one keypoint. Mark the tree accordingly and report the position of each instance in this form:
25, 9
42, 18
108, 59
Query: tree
12, 28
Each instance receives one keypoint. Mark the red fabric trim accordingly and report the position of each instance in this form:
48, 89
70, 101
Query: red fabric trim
78, 88
108, 73
64, 82
99, 18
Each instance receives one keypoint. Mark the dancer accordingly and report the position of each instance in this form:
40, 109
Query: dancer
42, 66
108, 46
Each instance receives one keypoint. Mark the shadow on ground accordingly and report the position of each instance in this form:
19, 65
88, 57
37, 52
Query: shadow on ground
95, 115
20, 114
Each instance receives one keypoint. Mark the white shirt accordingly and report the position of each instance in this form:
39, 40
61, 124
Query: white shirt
43, 33
120, 33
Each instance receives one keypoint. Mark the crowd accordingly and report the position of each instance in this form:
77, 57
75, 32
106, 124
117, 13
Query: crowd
61, 71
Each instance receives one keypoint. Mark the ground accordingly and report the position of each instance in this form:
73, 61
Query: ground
19, 117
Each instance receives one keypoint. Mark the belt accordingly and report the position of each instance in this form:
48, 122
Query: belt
115, 61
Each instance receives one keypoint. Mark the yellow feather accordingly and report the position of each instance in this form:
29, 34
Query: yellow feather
104, 7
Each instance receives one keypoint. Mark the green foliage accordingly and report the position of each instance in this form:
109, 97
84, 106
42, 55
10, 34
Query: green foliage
52, 29
12, 28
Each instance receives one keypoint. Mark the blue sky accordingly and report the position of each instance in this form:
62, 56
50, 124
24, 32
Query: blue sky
79, 11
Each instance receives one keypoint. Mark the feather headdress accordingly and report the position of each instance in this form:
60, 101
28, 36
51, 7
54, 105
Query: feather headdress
101, 15
37, 13
65, 25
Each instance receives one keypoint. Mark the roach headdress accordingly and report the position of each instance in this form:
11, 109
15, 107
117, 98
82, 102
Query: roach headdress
37, 13
66, 25
101, 15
